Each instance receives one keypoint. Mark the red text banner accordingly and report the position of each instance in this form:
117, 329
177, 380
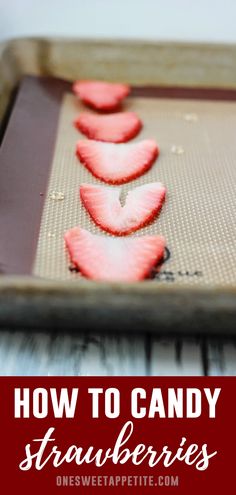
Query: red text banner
117, 435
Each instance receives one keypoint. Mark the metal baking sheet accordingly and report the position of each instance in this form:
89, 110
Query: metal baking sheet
194, 290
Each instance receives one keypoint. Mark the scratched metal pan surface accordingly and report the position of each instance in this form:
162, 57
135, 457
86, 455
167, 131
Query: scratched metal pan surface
193, 291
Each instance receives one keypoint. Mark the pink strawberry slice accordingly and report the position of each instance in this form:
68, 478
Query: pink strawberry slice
117, 163
113, 128
114, 259
101, 95
103, 204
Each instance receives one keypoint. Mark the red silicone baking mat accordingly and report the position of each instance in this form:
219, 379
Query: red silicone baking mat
40, 176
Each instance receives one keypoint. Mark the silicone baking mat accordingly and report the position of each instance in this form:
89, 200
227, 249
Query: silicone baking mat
196, 164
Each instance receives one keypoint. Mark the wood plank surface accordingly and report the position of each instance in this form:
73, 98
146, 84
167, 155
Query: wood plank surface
63, 355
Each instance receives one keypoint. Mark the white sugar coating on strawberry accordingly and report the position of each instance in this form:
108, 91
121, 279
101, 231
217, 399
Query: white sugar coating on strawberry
117, 163
114, 259
141, 206
101, 95
113, 128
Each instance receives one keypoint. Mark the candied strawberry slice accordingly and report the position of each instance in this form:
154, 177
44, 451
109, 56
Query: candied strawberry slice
101, 95
141, 206
114, 128
117, 163
114, 259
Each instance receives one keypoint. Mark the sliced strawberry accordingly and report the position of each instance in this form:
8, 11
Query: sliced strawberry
114, 259
101, 95
117, 163
113, 128
141, 206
